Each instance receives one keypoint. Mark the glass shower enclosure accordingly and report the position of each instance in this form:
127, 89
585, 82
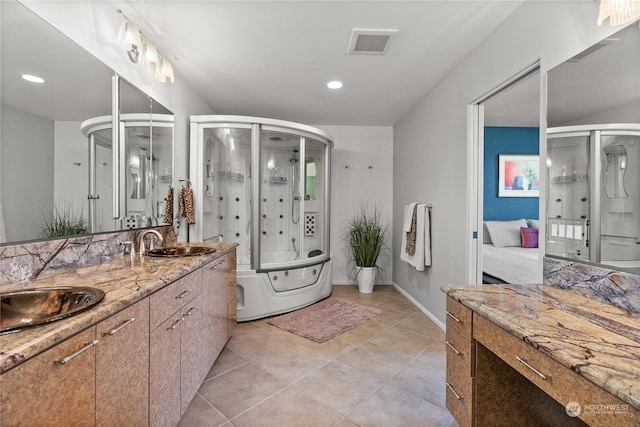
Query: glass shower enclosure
264, 184
593, 193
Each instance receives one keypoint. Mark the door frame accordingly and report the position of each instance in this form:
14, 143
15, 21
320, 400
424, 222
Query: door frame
475, 166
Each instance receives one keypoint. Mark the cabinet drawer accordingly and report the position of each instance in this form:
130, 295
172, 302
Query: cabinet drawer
459, 317
460, 404
173, 297
556, 380
460, 353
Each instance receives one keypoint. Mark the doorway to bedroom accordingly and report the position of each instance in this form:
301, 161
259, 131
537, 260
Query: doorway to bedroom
508, 182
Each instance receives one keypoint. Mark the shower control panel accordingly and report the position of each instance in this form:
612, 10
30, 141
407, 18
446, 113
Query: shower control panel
310, 220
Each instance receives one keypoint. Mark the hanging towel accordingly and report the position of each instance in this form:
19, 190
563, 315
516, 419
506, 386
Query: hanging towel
168, 207
411, 234
422, 254
408, 216
185, 205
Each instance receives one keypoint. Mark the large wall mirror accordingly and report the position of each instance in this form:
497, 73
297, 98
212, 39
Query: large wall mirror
593, 154
57, 164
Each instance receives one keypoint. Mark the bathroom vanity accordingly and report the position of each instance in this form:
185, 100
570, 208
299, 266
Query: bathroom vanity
521, 355
136, 358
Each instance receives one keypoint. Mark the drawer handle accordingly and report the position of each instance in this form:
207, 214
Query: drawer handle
68, 359
114, 331
183, 294
234, 317
454, 317
175, 324
453, 348
216, 265
191, 310
454, 392
540, 374
232, 283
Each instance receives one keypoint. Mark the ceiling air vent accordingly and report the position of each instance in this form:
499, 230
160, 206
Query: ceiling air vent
372, 42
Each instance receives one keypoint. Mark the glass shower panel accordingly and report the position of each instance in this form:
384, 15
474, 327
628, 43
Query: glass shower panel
620, 177
162, 173
226, 182
280, 192
568, 199
138, 170
313, 243
101, 199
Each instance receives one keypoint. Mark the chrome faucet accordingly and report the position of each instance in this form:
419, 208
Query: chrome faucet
141, 246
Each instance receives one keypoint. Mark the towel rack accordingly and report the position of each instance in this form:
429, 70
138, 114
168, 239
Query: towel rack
185, 180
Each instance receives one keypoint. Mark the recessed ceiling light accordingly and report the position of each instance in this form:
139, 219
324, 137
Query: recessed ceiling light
335, 84
33, 79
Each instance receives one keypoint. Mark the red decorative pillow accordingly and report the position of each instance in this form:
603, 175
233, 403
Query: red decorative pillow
529, 237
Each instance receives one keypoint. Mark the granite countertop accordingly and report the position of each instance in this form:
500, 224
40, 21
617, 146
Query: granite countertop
124, 283
598, 341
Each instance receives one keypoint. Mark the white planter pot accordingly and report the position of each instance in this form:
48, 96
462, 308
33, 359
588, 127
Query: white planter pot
366, 278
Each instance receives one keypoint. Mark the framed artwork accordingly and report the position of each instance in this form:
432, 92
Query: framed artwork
518, 175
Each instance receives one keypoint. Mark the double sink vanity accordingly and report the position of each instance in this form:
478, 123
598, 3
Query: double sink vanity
553, 355
135, 357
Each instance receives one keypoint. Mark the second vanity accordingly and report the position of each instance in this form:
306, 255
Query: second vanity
136, 358
522, 355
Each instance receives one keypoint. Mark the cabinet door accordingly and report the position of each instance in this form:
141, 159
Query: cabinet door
164, 373
232, 302
215, 309
122, 368
55, 388
193, 366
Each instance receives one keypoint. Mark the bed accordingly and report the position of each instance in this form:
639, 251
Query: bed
509, 265
510, 252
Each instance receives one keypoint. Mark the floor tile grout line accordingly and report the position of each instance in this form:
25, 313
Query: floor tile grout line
216, 409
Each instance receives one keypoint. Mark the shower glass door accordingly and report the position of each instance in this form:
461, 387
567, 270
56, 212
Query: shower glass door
226, 187
314, 199
100, 198
569, 195
280, 197
620, 198
293, 206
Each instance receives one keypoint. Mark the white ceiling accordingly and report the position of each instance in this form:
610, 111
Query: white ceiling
273, 58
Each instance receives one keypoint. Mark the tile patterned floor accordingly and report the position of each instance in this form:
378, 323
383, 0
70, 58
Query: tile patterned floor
389, 371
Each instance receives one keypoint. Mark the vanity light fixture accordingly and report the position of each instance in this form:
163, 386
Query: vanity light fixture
164, 70
32, 78
618, 11
139, 49
334, 84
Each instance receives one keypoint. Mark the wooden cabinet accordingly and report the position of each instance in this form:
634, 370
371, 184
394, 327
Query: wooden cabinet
164, 373
546, 386
497, 379
55, 388
193, 367
460, 348
142, 366
122, 368
177, 367
219, 291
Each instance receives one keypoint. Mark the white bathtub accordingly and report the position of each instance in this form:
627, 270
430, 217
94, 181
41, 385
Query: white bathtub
266, 294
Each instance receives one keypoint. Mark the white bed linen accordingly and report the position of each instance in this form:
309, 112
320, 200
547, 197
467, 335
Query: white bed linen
515, 265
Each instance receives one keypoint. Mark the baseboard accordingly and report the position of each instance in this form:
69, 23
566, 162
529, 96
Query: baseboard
348, 282
420, 307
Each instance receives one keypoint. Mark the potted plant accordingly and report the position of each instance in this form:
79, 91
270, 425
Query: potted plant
62, 221
365, 237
